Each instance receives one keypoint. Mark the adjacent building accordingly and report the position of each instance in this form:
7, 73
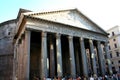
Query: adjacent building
114, 47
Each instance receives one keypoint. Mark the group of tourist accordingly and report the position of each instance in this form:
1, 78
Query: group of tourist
106, 77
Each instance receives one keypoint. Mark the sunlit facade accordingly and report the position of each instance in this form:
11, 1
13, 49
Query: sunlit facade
55, 44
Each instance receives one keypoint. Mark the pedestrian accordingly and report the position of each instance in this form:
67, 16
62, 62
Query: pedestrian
91, 78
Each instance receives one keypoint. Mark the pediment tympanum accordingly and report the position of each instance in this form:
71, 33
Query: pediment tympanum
70, 17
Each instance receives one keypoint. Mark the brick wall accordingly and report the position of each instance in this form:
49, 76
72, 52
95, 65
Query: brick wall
7, 32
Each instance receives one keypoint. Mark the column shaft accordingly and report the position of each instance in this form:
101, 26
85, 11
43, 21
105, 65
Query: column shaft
93, 57
59, 55
44, 72
52, 58
108, 58
72, 59
100, 56
27, 54
84, 57
77, 61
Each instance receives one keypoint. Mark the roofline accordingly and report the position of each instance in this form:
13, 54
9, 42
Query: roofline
61, 24
21, 10
91, 21
28, 15
45, 12
112, 28
55, 11
8, 21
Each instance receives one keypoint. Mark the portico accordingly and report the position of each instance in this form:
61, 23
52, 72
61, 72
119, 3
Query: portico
52, 49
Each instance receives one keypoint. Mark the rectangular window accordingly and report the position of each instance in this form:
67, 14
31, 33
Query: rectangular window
117, 54
109, 47
119, 61
115, 45
113, 33
113, 67
112, 62
111, 55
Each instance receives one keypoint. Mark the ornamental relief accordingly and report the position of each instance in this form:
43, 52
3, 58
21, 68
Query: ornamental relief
67, 30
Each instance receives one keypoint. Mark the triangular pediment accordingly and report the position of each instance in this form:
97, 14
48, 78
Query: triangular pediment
70, 17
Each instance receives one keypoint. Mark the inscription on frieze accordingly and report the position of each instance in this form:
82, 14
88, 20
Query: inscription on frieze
67, 30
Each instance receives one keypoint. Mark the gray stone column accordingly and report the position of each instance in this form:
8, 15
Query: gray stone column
27, 54
72, 59
44, 72
78, 66
100, 57
93, 57
59, 55
84, 57
52, 58
108, 57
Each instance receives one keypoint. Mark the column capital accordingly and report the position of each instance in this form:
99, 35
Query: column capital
90, 40
44, 34
98, 42
81, 38
106, 43
70, 37
58, 35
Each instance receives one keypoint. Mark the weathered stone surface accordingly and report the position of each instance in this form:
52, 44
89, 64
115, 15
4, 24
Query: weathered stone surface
71, 17
7, 31
66, 30
67, 23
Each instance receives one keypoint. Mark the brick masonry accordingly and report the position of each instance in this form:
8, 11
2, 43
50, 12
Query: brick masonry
7, 32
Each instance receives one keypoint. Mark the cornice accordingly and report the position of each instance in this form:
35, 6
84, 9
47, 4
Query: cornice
49, 21
57, 11
47, 12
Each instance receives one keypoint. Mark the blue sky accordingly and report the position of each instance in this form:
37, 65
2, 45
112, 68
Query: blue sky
106, 13
9, 8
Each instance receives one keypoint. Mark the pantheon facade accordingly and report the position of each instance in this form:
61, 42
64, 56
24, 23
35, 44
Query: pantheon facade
55, 43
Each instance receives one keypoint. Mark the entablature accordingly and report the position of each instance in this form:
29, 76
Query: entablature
65, 30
